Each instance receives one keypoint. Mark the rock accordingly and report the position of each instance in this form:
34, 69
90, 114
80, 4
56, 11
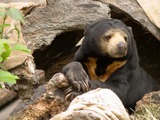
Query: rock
20, 63
28, 79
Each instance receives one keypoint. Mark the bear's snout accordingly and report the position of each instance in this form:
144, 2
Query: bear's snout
122, 47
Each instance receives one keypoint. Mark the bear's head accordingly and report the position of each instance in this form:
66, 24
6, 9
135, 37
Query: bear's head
108, 37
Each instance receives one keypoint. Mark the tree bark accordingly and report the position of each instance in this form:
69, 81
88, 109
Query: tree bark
6, 96
51, 103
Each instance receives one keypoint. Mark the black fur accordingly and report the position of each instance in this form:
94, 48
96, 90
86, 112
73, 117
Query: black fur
130, 82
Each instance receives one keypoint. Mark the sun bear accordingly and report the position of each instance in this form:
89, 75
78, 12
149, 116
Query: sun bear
108, 58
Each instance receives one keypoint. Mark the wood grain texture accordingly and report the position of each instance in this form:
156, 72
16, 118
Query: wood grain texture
59, 16
49, 104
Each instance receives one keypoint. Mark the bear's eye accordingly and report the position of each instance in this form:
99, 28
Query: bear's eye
125, 38
107, 37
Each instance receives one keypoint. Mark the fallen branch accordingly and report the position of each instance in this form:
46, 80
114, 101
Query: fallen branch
100, 104
50, 104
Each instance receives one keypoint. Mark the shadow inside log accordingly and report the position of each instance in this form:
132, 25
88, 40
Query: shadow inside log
52, 58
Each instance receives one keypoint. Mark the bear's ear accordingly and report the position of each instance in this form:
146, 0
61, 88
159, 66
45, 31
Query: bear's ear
130, 30
88, 27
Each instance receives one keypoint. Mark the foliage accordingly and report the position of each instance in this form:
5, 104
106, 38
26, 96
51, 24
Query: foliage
5, 49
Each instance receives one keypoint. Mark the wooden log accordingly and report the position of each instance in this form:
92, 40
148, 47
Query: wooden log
134, 11
105, 104
6, 96
51, 103
59, 16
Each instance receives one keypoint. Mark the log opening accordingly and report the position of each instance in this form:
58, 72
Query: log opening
61, 45
61, 51
55, 56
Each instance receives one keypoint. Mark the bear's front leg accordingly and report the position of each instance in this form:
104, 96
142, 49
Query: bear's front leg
77, 78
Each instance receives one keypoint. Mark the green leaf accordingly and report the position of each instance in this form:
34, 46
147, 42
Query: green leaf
6, 47
4, 25
8, 77
21, 48
7, 52
14, 13
0, 86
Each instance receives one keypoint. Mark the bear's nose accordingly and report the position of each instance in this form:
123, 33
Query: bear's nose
121, 47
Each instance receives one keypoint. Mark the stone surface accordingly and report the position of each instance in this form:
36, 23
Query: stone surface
20, 63
28, 79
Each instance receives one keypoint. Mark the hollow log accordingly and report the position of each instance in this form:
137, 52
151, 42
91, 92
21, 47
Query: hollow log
49, 29
60, 16
52, 32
